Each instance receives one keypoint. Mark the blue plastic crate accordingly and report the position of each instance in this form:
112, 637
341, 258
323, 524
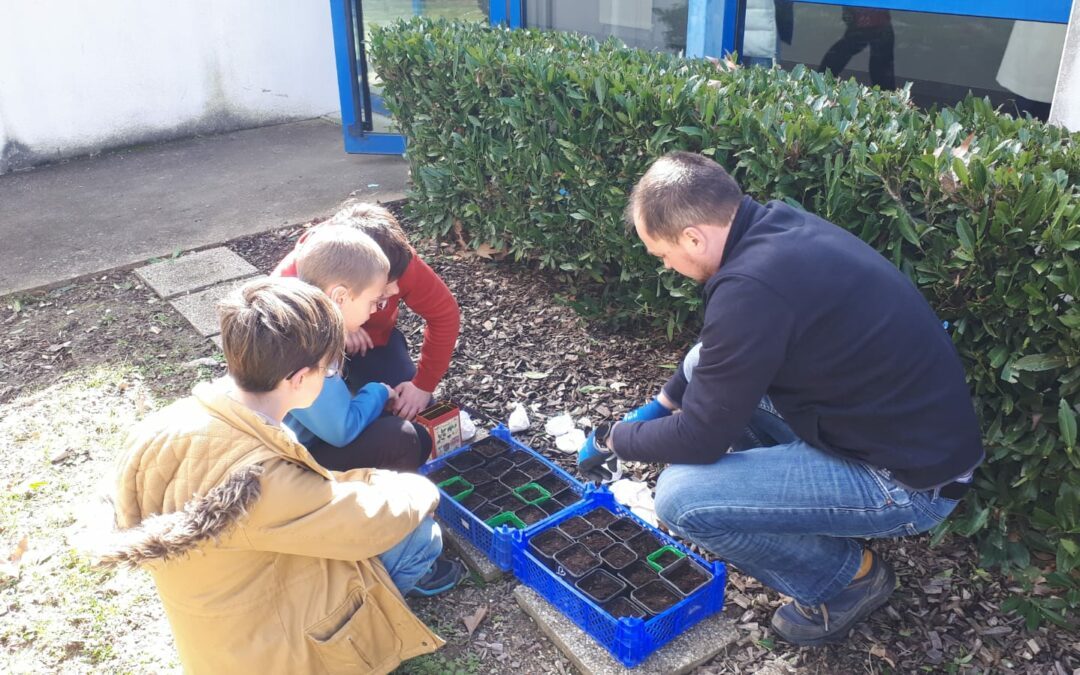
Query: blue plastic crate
496, 543
630, 640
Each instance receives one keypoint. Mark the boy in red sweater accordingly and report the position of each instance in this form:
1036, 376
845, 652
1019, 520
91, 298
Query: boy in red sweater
378, 351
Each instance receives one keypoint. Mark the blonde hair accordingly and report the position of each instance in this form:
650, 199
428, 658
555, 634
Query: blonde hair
272, 327
337, 255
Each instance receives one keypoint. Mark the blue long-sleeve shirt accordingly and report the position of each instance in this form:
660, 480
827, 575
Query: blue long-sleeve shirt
849, 352
337, 416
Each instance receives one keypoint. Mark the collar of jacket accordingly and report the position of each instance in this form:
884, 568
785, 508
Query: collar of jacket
214, 396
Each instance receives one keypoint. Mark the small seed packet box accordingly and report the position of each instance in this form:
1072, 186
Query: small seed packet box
443, 423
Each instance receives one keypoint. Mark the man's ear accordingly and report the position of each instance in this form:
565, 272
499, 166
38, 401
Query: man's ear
694, 239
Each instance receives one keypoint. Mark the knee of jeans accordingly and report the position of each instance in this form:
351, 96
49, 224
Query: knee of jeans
669, 486
430, 531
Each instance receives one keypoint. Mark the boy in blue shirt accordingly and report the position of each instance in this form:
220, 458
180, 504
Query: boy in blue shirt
341, 430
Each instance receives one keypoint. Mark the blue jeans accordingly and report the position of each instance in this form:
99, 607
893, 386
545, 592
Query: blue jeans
789, 514
413, 555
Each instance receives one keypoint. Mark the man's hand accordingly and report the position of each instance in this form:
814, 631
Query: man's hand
595, 460
358, 342
411, 399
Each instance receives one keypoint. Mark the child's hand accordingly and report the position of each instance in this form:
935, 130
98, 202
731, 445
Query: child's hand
391, 397
358, 341
411, 399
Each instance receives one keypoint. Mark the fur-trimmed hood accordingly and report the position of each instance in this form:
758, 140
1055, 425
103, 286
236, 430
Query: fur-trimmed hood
169, 536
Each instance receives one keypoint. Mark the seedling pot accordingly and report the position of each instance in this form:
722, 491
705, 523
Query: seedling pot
575, 561
687, 576
624, 529
638, 574
620, 607
457, 487
596, 541
617, 556
600, 586
505, 518
656, 596
465, 460
490, 447
600, 517
575, 527
665, 557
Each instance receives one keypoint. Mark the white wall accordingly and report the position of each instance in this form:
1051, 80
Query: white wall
1066, 108
79, 76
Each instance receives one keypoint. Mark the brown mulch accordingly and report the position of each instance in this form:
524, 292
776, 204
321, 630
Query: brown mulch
520, 344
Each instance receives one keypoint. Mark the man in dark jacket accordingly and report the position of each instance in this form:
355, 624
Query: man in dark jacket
825, 371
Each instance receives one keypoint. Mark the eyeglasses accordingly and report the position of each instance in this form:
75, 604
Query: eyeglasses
329, 372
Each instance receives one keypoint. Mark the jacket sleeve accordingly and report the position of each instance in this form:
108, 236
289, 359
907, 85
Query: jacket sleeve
425, 293
301, 513
336, 416
744, 343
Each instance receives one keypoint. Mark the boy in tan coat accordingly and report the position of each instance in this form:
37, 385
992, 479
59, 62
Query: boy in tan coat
265, 561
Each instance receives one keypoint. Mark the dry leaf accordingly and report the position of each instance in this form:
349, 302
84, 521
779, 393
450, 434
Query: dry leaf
55, 348
459, 235
472, 621
17, 554
485, 251
883, 654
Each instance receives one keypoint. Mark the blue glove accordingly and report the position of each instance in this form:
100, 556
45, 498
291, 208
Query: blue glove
653, 410
594, 460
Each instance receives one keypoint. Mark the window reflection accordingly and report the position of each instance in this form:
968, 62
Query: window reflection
1014, 63
644, 24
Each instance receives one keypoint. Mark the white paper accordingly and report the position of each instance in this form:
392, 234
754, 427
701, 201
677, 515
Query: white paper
468, 427
559, 425
519, 419
636, 496
571, 441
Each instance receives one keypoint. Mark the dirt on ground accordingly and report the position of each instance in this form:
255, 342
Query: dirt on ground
81, 363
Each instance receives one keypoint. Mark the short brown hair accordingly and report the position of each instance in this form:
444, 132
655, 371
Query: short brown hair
377, 222
272, 327
336, 255
682, 189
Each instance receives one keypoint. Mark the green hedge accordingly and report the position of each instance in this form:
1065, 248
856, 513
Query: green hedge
531, 142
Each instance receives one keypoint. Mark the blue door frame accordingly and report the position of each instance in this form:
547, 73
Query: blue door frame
711, 24
710, 31
357, 102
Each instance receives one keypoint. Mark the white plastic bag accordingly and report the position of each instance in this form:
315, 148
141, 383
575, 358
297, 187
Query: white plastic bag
559, 425
468, 427
519, 419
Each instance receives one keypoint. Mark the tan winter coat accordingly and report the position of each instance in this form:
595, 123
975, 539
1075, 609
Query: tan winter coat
266, 562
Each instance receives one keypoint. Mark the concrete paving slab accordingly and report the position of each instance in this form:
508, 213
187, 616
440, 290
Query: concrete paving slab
119, 209
681, 655
200, 309
470, 555
194, 271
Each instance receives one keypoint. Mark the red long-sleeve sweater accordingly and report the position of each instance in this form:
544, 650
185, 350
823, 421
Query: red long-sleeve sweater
425, 293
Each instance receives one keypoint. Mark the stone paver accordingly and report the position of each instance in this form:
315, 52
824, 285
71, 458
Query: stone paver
200, 309
194, 271
681, 655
